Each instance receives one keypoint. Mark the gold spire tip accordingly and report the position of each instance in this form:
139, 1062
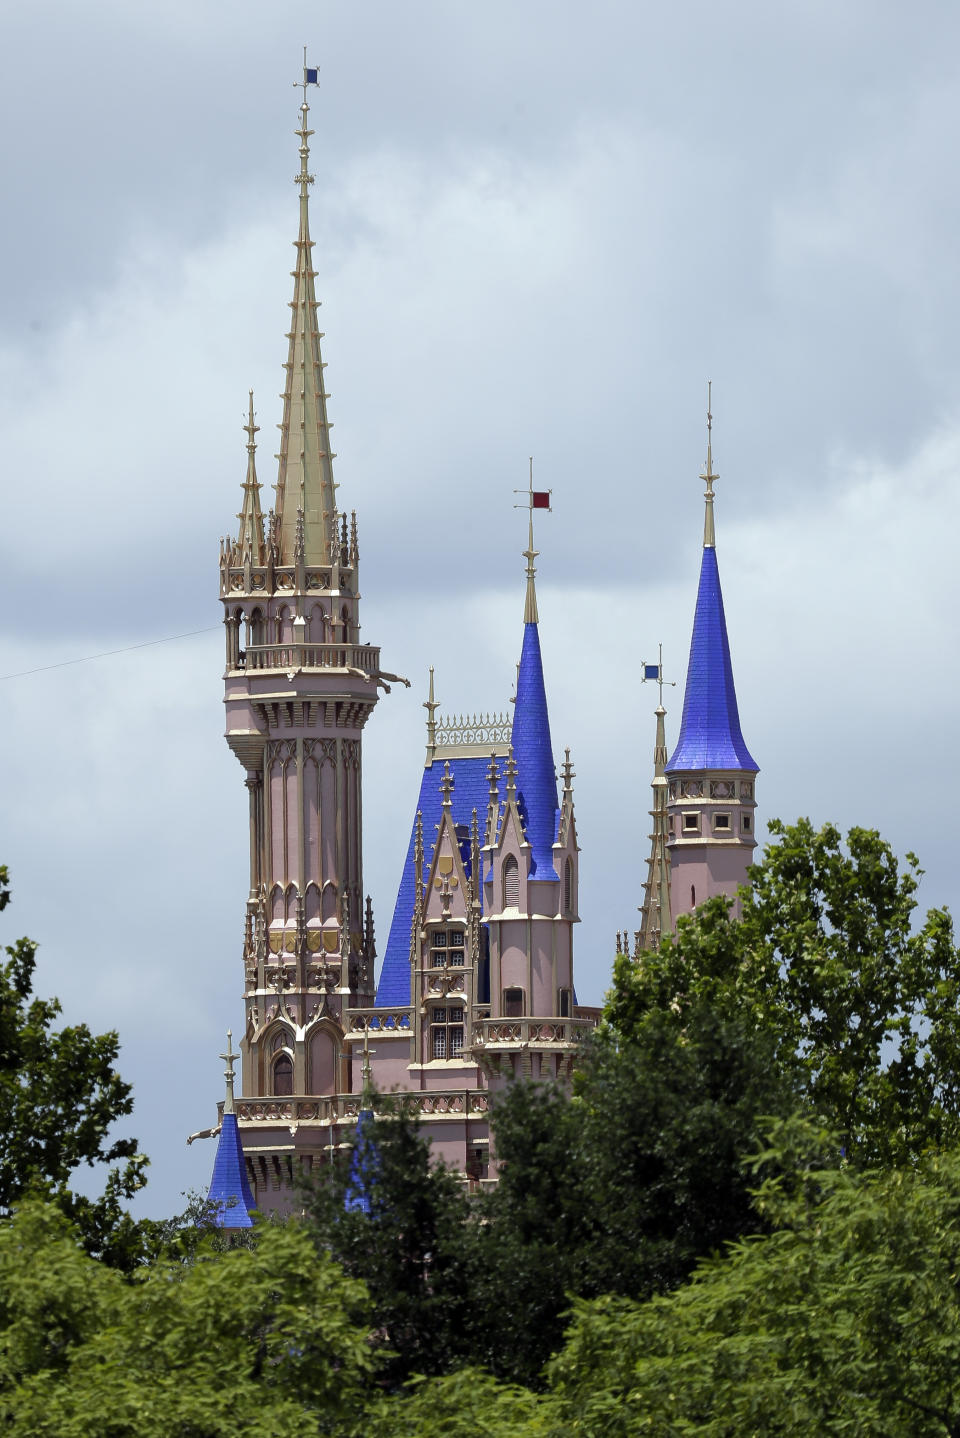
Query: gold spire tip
708, 476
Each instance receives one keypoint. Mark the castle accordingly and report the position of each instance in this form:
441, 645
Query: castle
477, 981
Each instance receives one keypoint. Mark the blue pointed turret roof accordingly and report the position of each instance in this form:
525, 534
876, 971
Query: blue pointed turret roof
229, 1193
533, 752
710, 735
229, 1189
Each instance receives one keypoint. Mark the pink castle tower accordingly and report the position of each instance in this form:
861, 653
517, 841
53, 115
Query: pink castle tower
711, 774
299, 688
531, 879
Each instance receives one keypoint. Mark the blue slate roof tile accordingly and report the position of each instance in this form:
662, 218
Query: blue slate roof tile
710, 735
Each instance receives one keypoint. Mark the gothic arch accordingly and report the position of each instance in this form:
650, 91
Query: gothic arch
510, 880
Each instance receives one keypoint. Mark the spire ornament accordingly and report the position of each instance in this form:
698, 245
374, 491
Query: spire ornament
535, 499
708, 476
229, 1059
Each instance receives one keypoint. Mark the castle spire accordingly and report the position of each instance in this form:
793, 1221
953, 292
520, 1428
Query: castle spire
530, 738
229, 1196
710, 734
305, 475
250, 539
708, 476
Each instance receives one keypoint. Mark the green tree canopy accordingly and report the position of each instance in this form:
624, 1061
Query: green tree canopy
60, 1095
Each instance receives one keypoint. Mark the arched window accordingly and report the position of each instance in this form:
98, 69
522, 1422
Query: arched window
256, 627
283, 1076
279, 1040
511, 883
568, 887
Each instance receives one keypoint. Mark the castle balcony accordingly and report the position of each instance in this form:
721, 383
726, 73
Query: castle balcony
547, 1035
289, 658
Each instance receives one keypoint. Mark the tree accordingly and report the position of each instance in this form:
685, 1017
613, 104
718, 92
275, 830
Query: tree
60, 1095
266, 1339
844, 1320
822, 1000
416, 1249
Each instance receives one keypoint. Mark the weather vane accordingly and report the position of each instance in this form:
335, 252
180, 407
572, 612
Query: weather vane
310, 77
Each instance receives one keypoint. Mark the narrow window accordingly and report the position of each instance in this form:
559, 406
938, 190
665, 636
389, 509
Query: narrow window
511, 883
693, 897
513, 1003
283, 1076
746, 823
564, 1003
568, 887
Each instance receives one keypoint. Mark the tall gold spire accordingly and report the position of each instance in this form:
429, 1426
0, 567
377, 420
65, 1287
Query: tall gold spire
305, 476
708, 476
250, 539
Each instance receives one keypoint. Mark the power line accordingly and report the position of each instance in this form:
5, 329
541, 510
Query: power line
108, 653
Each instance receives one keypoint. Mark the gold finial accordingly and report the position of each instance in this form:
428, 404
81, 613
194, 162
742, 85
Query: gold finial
229, 1059
310, 77
708, 476
446, 787
535, 499
251, 428
431, 707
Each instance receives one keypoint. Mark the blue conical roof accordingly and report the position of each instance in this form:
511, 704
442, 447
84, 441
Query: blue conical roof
710, 736
229, 1189
363, 1166
536, 776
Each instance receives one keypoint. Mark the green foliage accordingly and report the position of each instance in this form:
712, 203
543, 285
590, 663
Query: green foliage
459, 1405
845, 1320
60, 1094
265, 1339
416, 1251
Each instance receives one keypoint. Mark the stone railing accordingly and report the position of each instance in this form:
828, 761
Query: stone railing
542, 1033
345, 1108
257, 658
382, 1022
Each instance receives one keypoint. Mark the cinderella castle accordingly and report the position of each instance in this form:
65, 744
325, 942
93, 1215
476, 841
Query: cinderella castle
477, 982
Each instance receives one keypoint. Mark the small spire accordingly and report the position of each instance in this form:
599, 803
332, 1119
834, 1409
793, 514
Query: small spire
250, 538
229, 1059
656, 919
568, 773
708, 476
446, 788
511, 773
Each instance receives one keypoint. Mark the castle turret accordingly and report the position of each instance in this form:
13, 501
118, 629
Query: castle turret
530, 882
299, 688
711, 774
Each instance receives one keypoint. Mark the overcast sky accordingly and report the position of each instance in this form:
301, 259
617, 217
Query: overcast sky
540, 230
